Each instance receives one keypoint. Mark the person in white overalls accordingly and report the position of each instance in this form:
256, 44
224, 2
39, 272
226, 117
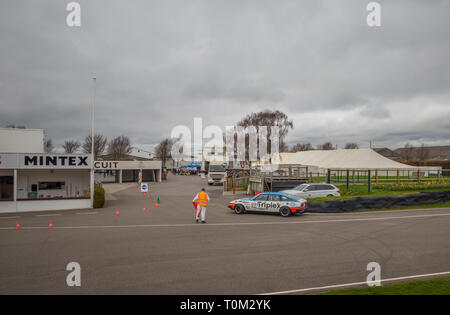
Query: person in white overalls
202, 200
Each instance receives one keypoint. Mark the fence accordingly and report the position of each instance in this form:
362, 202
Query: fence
288, 176
279, 178
386, 176
236, 180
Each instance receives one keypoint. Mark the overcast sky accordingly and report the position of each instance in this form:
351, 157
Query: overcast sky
161, 63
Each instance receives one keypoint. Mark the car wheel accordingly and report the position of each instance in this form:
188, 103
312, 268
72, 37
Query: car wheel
330, 196
239, 209
285, 212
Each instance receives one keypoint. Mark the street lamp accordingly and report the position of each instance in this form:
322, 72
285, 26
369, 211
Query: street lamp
92, 142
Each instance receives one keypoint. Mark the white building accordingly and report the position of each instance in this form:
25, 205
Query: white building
128, 171
19, 140
31, 180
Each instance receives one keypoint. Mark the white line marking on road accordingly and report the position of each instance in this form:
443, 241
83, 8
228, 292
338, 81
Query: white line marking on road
335, 286
366, 212
231, 224
48, 215
86, 213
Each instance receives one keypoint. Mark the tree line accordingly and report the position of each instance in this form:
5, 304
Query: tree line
268, 118
121, 145
116, 147
325, 146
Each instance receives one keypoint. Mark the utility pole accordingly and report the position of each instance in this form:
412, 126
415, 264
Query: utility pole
92, 123
92, 142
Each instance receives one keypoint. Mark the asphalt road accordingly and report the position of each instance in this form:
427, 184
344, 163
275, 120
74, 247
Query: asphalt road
162, 250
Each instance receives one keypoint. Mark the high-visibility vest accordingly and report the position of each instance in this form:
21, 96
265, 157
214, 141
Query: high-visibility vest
202, 199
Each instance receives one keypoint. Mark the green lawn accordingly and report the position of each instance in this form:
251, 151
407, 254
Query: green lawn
380, 190
439, 286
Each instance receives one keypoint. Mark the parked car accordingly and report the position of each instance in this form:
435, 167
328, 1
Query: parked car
276, 202
314, 191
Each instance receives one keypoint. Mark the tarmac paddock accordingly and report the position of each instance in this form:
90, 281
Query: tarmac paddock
163, 251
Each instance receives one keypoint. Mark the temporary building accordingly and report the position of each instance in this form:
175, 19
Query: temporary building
353, 159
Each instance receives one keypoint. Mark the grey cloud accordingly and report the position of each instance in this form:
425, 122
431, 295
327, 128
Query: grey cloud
161, 63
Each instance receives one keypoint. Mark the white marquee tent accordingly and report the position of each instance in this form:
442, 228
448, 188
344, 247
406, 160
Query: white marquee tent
353, 159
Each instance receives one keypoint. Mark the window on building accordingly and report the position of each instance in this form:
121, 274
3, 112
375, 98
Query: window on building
6, 188
52, 185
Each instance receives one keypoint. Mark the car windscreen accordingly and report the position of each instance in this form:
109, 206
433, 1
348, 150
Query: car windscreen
300, 187
217, 168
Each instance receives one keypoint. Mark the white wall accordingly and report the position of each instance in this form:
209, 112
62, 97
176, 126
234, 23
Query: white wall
40, 205
14, 140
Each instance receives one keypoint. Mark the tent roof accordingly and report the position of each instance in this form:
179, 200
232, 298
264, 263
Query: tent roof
343, 159
192, 164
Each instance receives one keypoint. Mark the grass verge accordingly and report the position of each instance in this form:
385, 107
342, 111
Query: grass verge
438, 286
361, 191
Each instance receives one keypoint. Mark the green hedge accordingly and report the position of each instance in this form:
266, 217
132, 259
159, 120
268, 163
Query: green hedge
99, 196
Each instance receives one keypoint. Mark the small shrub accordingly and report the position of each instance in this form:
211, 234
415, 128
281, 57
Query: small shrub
99, 196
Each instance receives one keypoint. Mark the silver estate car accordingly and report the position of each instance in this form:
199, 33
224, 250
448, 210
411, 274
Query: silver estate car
314, 191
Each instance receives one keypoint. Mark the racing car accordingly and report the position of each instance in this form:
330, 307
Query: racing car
282, 203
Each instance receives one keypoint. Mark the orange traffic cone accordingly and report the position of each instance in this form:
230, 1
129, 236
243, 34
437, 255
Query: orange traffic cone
144, 209
50, 226
18, 226
148, 196
156, 204
117, 212
153, 200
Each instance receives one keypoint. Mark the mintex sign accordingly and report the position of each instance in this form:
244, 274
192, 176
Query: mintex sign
48, 161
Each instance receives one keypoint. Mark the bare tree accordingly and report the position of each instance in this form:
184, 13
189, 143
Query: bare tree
407, 152
163, 149
119, 146
99, 144
326, 146
48, 145
302, 147
70, 146
423, 152
270, 119
351, 145
283, 146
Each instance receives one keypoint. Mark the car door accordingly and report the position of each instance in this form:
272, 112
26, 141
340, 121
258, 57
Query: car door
310, 191
323, 190
259, 202
274, 203
317, 192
